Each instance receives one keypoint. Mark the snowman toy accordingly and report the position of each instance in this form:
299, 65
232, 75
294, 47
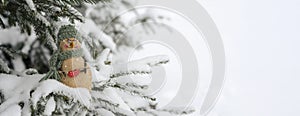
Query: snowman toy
67, 63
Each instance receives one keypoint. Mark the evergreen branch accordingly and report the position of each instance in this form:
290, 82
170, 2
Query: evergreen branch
159, 63
108, 105
133, 85
146, 110
30, 71
73, 109
106, 102
40, 15
135, 72
116, 113
98, 88
65, 104
8, 51
2, 23
2, 98
3, 67
79, 2
101, 85
73, 14
173, 111
181, 111
132, 92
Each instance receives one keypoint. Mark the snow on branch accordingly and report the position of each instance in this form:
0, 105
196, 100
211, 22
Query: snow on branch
52, 86
103, 56
33, 96
14, 110
50, 106
136, 86
141, 67
42, 19
78, 2
153, 60
173, 111
16, 91
74, 12
135, 72
30, 4
125, 88
102, 99
4, 67
89, 28
177, 110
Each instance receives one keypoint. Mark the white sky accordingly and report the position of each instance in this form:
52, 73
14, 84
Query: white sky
262, 51
261, 41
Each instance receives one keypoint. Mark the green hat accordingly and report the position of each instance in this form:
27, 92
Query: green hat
67, 31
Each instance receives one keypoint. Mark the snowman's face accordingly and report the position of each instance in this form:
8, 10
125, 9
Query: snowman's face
69, 44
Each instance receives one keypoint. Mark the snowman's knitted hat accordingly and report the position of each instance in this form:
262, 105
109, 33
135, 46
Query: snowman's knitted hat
67, 31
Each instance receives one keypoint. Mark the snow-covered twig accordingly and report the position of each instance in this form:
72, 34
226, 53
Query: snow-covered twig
132, 92
134, 85
4, 67
135, 72
177, 111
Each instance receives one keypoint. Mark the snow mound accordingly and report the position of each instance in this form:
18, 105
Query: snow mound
13, 110
52, 86
27, 90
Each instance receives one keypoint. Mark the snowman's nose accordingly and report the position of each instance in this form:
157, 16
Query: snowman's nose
72, 44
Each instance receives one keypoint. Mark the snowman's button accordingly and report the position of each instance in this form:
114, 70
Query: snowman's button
73, 73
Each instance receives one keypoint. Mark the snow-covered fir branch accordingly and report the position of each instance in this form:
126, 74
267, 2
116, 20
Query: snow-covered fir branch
125, 88
136, 86
115, 90
115, 75
3, 67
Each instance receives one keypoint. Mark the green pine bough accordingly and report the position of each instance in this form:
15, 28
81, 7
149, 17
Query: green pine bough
27, 95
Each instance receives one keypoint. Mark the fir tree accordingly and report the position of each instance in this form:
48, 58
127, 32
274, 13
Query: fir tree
103, 34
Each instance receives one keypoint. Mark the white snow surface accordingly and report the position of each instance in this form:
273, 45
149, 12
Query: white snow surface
30, 4
11, 35
48, 86
50, 107
4, 66
28, 42
14, 110
17, 89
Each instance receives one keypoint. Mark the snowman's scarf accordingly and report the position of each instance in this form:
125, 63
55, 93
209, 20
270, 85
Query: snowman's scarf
56, 61
69, 54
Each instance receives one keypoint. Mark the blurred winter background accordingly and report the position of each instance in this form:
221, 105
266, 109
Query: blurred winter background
261, 44
261, 39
